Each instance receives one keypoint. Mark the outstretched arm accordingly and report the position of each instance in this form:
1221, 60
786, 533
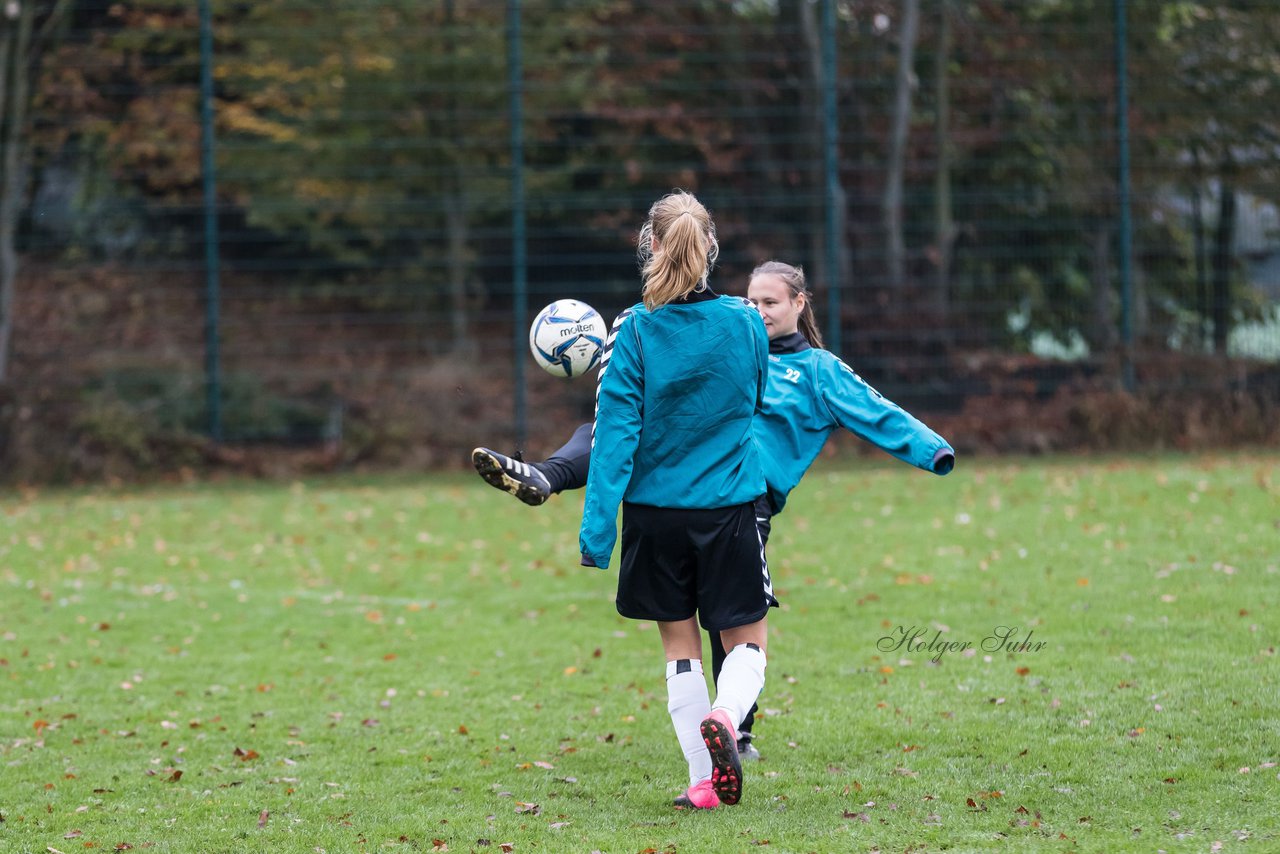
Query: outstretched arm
863, 411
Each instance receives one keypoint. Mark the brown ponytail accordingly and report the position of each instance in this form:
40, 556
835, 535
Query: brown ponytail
687, 249
794, 279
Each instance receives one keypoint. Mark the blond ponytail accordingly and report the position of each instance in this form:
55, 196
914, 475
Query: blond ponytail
687, 249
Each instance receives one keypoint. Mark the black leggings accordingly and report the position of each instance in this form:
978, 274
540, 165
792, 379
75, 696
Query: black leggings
567, 468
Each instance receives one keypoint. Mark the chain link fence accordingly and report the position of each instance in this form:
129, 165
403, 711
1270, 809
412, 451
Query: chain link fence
327, 230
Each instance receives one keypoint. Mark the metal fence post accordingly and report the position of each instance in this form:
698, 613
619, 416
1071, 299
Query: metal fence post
830, 171
212, 357
519, 271
1123, 182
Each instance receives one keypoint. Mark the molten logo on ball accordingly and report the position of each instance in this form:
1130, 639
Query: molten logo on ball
567, 338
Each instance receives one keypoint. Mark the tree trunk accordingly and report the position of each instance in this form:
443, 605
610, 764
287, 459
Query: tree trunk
20, 43
944, 227
1100, 332
802, 16
459, 267
458, 264
809, 151
1223, 259
1202, 309
770, 158
15, 46
891, 208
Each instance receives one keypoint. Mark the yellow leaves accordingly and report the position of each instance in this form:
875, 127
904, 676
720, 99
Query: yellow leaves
373, 63
242, 118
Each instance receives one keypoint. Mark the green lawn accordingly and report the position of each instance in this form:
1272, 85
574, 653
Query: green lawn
413, 664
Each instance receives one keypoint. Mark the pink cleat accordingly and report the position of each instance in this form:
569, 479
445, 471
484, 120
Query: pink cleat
699, 796
726, 766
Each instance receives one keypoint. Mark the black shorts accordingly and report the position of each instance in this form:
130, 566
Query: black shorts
677, 562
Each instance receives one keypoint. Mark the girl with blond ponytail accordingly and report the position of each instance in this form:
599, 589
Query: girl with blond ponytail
681, 380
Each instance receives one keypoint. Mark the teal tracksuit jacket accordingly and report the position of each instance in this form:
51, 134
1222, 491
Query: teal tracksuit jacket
809, 395
677, 395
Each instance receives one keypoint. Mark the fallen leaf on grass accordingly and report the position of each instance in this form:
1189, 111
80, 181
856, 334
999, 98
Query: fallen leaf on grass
262, 819
531, 809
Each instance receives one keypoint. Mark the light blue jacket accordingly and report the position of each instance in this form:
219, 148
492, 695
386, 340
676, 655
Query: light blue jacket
677, 393
809, 395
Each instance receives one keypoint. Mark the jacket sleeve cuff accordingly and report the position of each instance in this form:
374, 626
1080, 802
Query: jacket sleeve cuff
944, 459
587, 561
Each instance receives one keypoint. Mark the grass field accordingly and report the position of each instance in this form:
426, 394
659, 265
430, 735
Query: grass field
420, 664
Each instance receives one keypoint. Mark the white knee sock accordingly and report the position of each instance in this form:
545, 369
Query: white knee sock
741, 680
688, 703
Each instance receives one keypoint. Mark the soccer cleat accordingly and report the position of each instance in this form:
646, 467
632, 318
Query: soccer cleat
726, 766
747, 750
699, 796
514, 476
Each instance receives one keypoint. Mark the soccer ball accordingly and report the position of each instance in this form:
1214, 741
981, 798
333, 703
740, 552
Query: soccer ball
567, 338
